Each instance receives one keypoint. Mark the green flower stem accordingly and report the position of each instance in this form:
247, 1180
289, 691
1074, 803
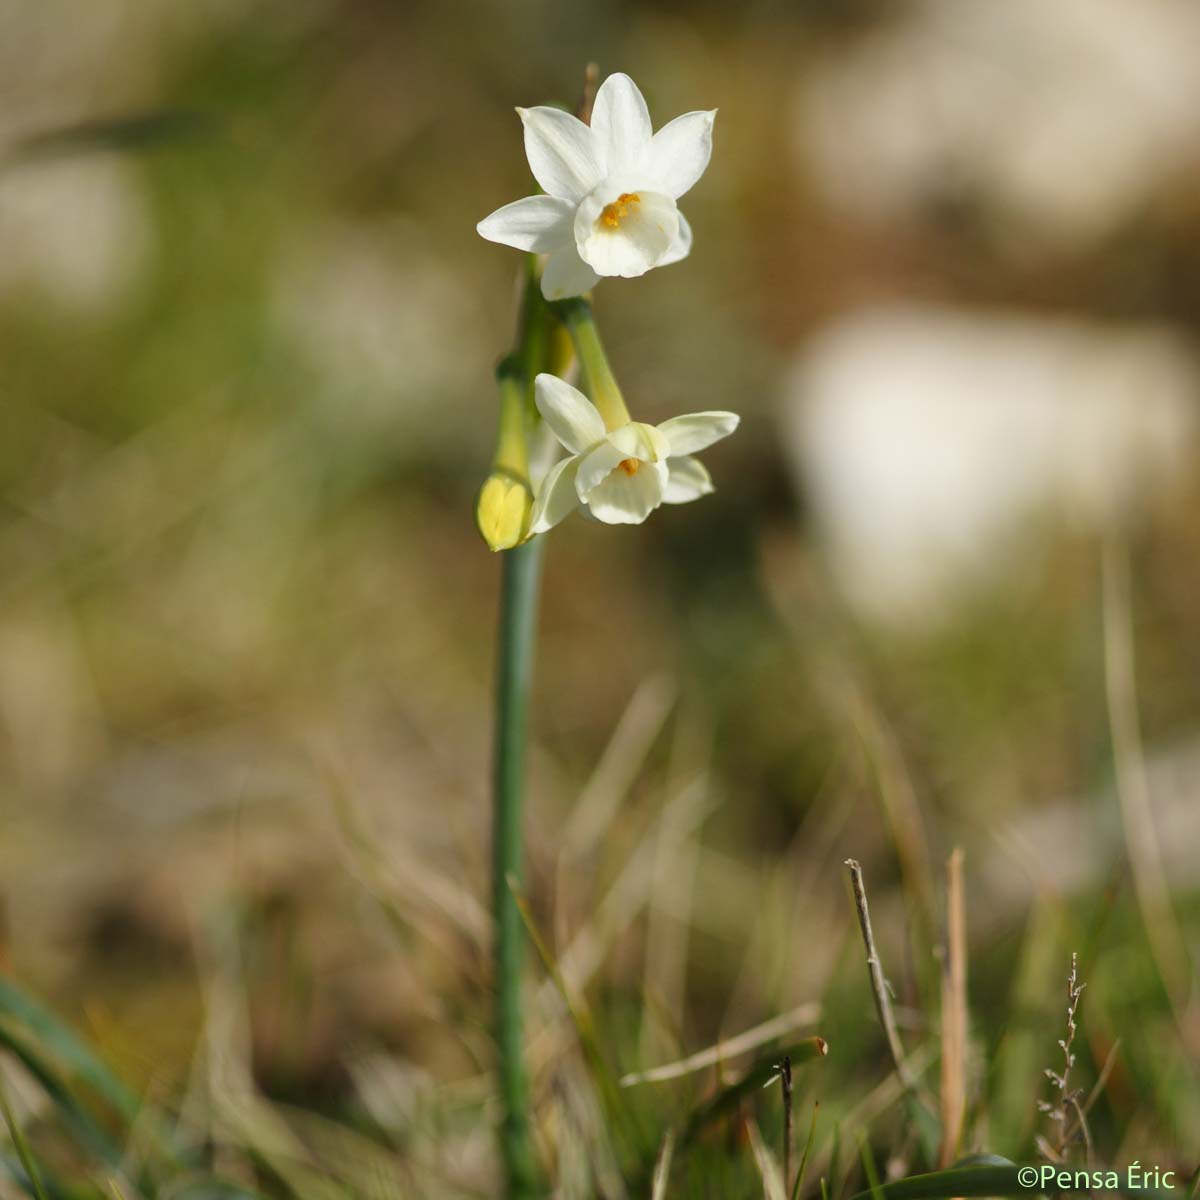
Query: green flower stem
602, 386
521, 574
512, 455
535, 332
518, 624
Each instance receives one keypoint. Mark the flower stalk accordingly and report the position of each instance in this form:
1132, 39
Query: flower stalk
503, 515
518, 623
601, 383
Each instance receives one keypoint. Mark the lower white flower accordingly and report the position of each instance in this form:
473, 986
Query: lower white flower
621, 475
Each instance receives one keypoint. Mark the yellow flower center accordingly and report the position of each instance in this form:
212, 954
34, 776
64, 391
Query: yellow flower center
629, 466
611, 215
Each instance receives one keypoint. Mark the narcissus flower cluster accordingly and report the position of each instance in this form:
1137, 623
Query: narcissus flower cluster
609, 209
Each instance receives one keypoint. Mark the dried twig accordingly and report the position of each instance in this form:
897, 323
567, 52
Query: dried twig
879, 986
1082, 1125
590, 74
751, 1039
662, 1168
954, 1013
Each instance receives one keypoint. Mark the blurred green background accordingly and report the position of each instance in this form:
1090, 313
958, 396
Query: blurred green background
945, 267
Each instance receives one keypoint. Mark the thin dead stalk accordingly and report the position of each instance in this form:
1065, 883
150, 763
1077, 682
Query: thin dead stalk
584, 111
662, 1168
954, 1013
1097, 1089
879, 986
751, 1039
1133, 789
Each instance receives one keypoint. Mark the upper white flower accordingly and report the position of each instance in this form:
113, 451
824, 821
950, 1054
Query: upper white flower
622, 475
611, 190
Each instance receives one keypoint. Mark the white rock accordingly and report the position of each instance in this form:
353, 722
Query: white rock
1060, 117
929, 442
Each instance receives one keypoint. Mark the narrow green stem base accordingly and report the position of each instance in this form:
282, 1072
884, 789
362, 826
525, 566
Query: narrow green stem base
518, 626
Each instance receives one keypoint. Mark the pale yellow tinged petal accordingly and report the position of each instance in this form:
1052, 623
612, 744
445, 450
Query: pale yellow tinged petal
571, 416
688, 479
641, 441
557, 498
692, 432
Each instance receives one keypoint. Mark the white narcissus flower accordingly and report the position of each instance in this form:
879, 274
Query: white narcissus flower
611, 190
622, 475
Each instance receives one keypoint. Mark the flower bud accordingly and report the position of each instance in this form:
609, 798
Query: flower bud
502, 510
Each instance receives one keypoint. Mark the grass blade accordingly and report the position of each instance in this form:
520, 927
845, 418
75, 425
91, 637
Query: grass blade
603, 1078
74, 1114
808, 1145
768, 1168
81, 1060
21, 1143
869, 1168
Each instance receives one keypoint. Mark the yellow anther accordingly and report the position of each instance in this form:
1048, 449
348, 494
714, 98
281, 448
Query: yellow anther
629, 466
611, 215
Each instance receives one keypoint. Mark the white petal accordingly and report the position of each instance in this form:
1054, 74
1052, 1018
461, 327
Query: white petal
628, 499
537, 223
681, 247
695, 431
638, 242
556, 498
566, 274
679, 152
620, 122
562, 151
596, 466
688, 480
544, 451
640, 441
572, 417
